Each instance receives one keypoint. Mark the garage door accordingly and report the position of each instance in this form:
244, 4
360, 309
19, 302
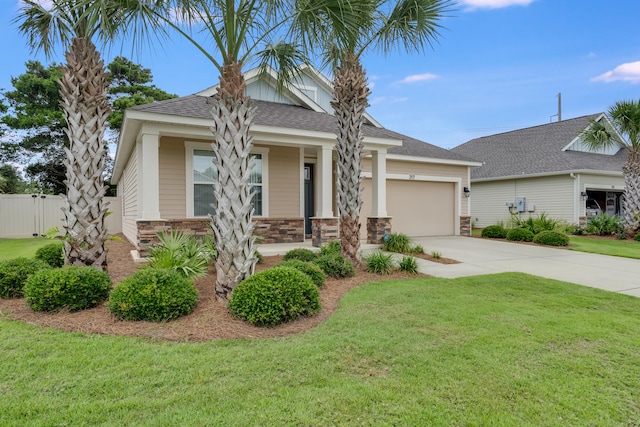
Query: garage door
417, 208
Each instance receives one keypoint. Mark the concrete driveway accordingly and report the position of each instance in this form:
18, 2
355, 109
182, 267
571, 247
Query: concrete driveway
485, 256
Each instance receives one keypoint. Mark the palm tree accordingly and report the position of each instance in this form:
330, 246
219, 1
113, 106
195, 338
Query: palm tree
83, 88
344, 31
241, 33
624, 116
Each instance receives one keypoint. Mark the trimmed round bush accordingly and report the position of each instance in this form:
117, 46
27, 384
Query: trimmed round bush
335, 265
52, 254
302, 254
637, 237
71, 287
312, 270
520, 235
494, 232
14, 274
551, 238
153, 294
273, 296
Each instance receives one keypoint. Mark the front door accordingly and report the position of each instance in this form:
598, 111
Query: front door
308, 197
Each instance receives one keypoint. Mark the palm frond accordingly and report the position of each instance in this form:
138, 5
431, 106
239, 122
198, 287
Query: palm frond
412, 24
597, 136
285, 58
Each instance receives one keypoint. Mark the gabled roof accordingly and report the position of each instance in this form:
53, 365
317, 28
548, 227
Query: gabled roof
297, 117
537, 150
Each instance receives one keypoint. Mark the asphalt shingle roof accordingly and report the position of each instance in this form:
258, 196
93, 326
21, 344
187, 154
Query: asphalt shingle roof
297, 117
537, 150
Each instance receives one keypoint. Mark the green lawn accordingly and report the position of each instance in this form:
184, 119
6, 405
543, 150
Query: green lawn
508, 349
622, 248
13, 248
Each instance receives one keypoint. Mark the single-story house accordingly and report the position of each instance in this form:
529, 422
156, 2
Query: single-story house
163, 169
544, 169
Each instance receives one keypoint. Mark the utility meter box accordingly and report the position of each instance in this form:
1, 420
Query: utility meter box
521, 204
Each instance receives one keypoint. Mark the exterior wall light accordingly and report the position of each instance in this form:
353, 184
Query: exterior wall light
584, 195
466, 191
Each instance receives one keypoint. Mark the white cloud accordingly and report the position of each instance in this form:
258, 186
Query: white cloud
494, 4
628, 72
414, 78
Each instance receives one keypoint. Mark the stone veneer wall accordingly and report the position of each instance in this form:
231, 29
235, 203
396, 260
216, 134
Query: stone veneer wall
377, 228
271, 230
465, 226
582, 221
324, 230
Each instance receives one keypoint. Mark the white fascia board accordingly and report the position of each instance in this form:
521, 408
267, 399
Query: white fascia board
416, 159
545, 174
126, 143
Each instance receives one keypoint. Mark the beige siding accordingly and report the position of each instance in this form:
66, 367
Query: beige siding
554, 196
128, 193
173, 198
442, 172
284, 182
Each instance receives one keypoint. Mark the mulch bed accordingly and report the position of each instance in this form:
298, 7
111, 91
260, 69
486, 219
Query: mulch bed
209, 321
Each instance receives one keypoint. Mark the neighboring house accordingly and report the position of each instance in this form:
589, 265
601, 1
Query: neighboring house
544, 169
163, 170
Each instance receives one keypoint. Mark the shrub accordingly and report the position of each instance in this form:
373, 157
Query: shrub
436, 254
536, 225
302, 254
71, 287
335, 265
397, 242
417, 249
312, 270
332, 247
52, 254
183, 253
520, 235
637, 237
260, 257
551, 238
379, 263
14, 274
409, 264
274, 296
153, 294
604, 224
494, 232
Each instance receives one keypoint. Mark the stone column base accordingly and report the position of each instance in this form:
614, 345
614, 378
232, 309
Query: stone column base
377, 227
582, 221
465, 226
324, 230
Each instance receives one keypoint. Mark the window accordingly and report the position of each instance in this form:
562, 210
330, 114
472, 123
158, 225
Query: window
202, 173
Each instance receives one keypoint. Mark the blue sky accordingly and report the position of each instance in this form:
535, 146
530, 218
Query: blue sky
497, 66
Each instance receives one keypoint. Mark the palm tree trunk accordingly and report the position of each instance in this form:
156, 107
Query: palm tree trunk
83, 89
349, 104
232, 221
631, 172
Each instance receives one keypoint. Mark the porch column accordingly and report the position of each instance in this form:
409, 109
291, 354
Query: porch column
379, 183
148, 177
379, 223
324, 226
324, 207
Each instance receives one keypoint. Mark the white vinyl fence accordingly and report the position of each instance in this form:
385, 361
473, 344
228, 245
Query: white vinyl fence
30, 215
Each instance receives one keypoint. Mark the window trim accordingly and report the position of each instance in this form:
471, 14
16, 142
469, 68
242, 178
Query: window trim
191, 146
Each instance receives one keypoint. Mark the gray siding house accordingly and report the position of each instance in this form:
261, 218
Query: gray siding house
544, 169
